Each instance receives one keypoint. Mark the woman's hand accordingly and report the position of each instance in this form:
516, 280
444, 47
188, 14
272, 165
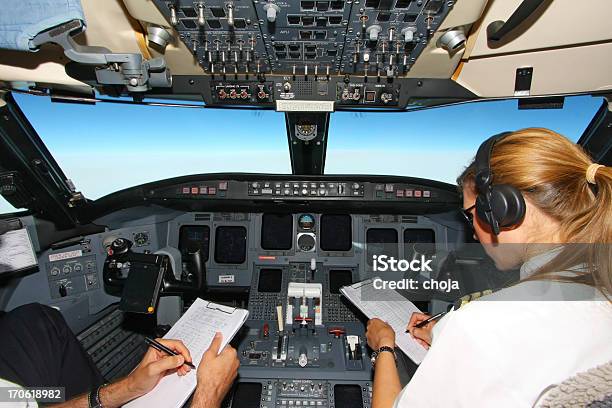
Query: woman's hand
380, 334
423, 334
156, 364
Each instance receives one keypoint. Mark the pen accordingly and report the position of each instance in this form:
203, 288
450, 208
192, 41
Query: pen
160, 347
430, 319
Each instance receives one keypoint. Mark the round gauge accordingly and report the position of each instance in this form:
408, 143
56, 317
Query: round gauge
141, 238
306, 242
306, 222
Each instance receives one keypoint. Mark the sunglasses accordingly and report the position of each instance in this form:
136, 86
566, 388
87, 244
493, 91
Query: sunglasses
469, 217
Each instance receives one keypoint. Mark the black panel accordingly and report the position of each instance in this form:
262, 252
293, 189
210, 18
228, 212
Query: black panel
419, 240
336, 232
247, 395
346, 395
230, 245
381, 241
270, 280
339, 278
277, 231
194, 236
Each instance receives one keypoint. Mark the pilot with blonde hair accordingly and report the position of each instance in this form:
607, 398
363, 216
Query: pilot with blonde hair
535, 200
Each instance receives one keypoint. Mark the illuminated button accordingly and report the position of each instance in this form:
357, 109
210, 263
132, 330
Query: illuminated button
356, 193
266, 185
287, 191
277, 185
195, 190
370, 96
256, 191
321, 185
380, 187
255, 184
418, 193
266, 191
427, 193
304, 191
287, 185
277, 192
223, 185
313, 185
185, 190
409, 193
356, 186
296, 192
399, 193
313, 192
203, 190
388, 188
305, 185
322, 191
212, 190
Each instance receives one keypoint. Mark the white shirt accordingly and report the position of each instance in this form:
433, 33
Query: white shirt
496, 352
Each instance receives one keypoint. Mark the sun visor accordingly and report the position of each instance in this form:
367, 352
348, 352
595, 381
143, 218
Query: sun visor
22, 20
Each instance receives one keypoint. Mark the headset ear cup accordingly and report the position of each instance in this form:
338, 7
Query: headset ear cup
507, 204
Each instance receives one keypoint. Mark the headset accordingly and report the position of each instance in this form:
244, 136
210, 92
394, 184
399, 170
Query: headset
498, 205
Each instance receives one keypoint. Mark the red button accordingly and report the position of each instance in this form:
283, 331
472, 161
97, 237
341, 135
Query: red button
195, 190
417, 193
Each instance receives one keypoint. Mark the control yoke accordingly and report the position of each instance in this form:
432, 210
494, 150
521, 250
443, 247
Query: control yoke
128, 69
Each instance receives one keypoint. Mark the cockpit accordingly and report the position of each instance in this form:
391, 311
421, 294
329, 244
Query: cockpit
266, 155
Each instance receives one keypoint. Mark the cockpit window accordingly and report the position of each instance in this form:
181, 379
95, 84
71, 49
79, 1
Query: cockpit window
438, 143
107, 147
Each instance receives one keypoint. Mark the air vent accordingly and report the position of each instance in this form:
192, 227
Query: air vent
409, 219
202, 217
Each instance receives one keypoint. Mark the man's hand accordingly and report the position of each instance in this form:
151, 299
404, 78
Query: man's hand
216, 373
156, 364
379, 334
423, 334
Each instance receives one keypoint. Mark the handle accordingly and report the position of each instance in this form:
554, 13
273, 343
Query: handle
497, 31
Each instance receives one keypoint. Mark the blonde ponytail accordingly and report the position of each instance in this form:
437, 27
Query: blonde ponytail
560, 178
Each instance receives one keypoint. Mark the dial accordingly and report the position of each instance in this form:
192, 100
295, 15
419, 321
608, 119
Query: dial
306, 222
141, 238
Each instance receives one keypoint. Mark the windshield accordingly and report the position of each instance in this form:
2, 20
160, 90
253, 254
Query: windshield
107, 147
438, 143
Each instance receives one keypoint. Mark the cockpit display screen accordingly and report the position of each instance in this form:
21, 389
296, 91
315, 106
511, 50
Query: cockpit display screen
336, 232
381, 241
277, 232
230, 244
193, 237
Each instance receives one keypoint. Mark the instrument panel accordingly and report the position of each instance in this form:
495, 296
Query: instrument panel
303, 344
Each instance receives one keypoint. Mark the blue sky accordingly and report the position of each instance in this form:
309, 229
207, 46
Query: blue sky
107, 147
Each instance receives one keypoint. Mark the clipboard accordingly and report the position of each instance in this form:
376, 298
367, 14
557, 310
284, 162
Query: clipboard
196, 329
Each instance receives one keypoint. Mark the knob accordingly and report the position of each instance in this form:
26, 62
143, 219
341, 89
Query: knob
62, 290
302, 388
271, 10
373, 32
302, 360
408, 34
